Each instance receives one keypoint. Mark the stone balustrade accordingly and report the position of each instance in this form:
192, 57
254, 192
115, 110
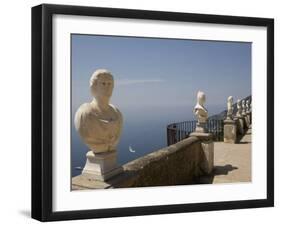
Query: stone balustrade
236, 126
177, 164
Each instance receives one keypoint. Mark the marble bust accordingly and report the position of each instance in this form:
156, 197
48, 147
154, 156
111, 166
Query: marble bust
99, 123
199, 110
201, 132
243, 107
248, 106
239, 108
229, 107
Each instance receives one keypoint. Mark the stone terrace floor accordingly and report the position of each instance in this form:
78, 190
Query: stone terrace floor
232, 162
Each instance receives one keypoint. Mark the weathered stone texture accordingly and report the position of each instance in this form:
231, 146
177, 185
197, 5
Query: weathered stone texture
174, 165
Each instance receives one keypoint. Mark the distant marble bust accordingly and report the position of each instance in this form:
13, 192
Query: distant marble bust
199, 110
239, 108
99, 123
229, 107
243, 107
248, 106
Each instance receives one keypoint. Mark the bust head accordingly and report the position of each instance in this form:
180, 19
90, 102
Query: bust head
201, 98
230, 99
101, 85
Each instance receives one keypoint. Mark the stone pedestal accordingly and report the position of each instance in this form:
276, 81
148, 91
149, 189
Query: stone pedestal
249, 117
247, 121
207, 144
230, 128
244, 115
200, 127
101, 166
240, 124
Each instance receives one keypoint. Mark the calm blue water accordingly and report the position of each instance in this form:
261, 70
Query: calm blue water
143, 130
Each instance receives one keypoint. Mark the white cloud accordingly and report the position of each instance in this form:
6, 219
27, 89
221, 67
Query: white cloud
137, 81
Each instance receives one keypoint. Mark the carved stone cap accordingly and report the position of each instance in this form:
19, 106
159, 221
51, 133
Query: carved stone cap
202, 136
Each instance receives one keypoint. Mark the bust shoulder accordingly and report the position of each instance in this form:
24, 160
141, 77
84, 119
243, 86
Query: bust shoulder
83, 112
85, 108
116, 110
113, 108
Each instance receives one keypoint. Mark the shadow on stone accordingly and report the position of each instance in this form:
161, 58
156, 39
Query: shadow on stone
239, 138
218, 170
208, 179
243, 142
223, 170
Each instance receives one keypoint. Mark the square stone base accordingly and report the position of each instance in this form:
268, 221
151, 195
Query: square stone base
101, 166
241, 125
247, 120
200, 127
229, 131
207, 145
249, 115
208, 163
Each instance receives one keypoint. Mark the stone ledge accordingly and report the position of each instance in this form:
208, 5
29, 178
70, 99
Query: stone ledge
173, 165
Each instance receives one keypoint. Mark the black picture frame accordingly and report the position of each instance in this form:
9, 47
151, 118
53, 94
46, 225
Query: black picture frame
42, 107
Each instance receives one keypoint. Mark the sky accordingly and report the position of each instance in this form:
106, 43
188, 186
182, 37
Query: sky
153, 75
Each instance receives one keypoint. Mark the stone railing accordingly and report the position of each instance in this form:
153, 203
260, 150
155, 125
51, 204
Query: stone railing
180, 163
237, 127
